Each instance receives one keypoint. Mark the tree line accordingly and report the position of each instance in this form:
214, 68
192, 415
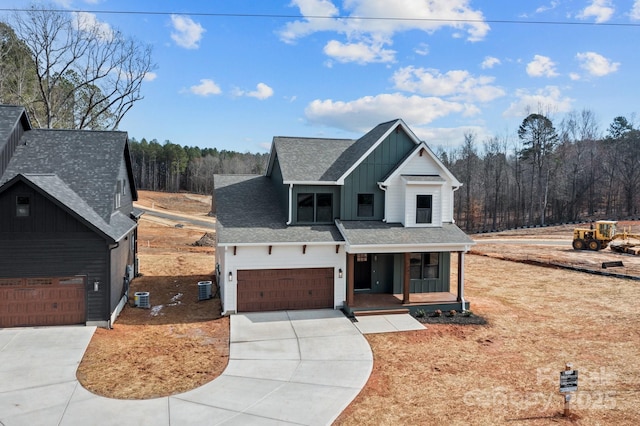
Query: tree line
546, 174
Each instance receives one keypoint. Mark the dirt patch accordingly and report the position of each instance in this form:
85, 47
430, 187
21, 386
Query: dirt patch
507, 372
179, 343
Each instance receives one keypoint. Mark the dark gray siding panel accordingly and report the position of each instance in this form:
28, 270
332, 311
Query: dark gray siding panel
121, 256
364, 179
281, 188
7, 150
52, 243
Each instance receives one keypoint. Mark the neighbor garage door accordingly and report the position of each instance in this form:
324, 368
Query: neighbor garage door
276, 289
41, 301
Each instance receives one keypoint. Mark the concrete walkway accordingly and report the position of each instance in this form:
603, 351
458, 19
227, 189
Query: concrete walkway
293, 367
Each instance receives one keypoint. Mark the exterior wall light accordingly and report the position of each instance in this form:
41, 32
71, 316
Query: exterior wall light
230, 276
96, 286
340, 273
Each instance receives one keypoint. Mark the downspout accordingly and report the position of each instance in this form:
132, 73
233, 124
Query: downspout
290, 204
384, 189
111, 249
461, 278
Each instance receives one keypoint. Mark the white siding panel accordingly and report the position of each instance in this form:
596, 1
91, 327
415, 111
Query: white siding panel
394, 201
436, 215
281, 257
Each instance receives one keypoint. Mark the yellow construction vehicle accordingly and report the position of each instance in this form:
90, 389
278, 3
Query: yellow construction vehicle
604, 232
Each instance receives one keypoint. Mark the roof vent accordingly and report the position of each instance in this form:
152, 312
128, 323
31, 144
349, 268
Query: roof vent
141, 299
204, 290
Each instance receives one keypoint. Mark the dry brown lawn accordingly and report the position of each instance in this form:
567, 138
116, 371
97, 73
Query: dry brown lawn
505, 372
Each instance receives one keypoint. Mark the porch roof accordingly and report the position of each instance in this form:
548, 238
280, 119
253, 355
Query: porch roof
380, 237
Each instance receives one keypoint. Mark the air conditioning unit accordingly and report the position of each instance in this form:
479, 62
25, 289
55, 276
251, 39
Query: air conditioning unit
204, 290
141, 299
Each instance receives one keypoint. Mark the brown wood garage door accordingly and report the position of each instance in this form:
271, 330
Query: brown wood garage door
278, 289
42, 301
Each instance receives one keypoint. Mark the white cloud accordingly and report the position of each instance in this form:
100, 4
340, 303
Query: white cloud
548, 98
207, 87
362, 114
596, 64
489, 62
186, 33
574, 76
150, 76
635, 11
449, 136
601, 10
459, 85
541, 66
422, 15
360, 52
423, 49
545, 7
262, 92
88, 22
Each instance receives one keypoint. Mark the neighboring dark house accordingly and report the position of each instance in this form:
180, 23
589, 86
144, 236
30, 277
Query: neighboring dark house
360, 225
68, 228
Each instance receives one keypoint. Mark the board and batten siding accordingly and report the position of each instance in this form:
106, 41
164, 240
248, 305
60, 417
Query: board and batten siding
364, 178
7, 150
281, 257
440, 284
52, 243
278, 184
401, 197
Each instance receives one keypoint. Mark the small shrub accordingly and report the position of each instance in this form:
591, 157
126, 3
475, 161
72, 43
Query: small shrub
420, 313
467, 313
437, 313
452, 313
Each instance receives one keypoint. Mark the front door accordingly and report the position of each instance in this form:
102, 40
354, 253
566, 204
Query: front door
362, 272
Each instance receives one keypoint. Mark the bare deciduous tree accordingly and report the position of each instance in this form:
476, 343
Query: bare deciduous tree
88, 74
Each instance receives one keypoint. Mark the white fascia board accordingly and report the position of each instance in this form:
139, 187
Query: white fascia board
293, 243
314, 182
415, 248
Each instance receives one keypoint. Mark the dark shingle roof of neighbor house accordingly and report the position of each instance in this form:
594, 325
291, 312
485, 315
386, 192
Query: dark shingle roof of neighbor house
248, 210
370, 233
85, 165
323, 160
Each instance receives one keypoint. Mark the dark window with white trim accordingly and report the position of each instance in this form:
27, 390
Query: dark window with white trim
23, 206
424, 266
315, 208
365, 205
423, 208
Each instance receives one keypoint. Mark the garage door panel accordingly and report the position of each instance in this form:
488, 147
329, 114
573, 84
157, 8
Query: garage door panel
42, 301
278, 289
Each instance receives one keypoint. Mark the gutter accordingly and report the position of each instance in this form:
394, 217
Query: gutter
290, 204
383, 188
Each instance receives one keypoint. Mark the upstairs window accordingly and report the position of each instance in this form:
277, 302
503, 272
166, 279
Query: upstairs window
23, 206
365, 205
423, 208
424, 266
315, 208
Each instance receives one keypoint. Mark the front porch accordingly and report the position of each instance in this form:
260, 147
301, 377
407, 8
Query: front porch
371, 303
404, 294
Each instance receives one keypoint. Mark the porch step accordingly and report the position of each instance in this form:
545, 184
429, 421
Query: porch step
381, 312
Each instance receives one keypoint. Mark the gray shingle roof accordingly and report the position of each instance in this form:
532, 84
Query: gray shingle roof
308, 159
248, 210
119, 224
371, 233
323, 160
88, 162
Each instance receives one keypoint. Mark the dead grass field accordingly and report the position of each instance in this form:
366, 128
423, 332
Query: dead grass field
505, 372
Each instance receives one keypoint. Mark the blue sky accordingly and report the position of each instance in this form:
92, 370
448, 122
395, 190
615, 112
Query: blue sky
234, 82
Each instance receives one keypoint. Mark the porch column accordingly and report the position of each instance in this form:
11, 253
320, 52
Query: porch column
461, 277
406, 282
350, 277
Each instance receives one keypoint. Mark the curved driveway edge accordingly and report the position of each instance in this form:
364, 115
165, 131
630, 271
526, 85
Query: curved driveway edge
287, 367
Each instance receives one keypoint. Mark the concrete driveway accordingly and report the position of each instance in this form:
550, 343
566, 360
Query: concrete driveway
291, 367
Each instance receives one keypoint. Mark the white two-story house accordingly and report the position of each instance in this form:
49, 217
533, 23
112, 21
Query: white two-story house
360, 225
